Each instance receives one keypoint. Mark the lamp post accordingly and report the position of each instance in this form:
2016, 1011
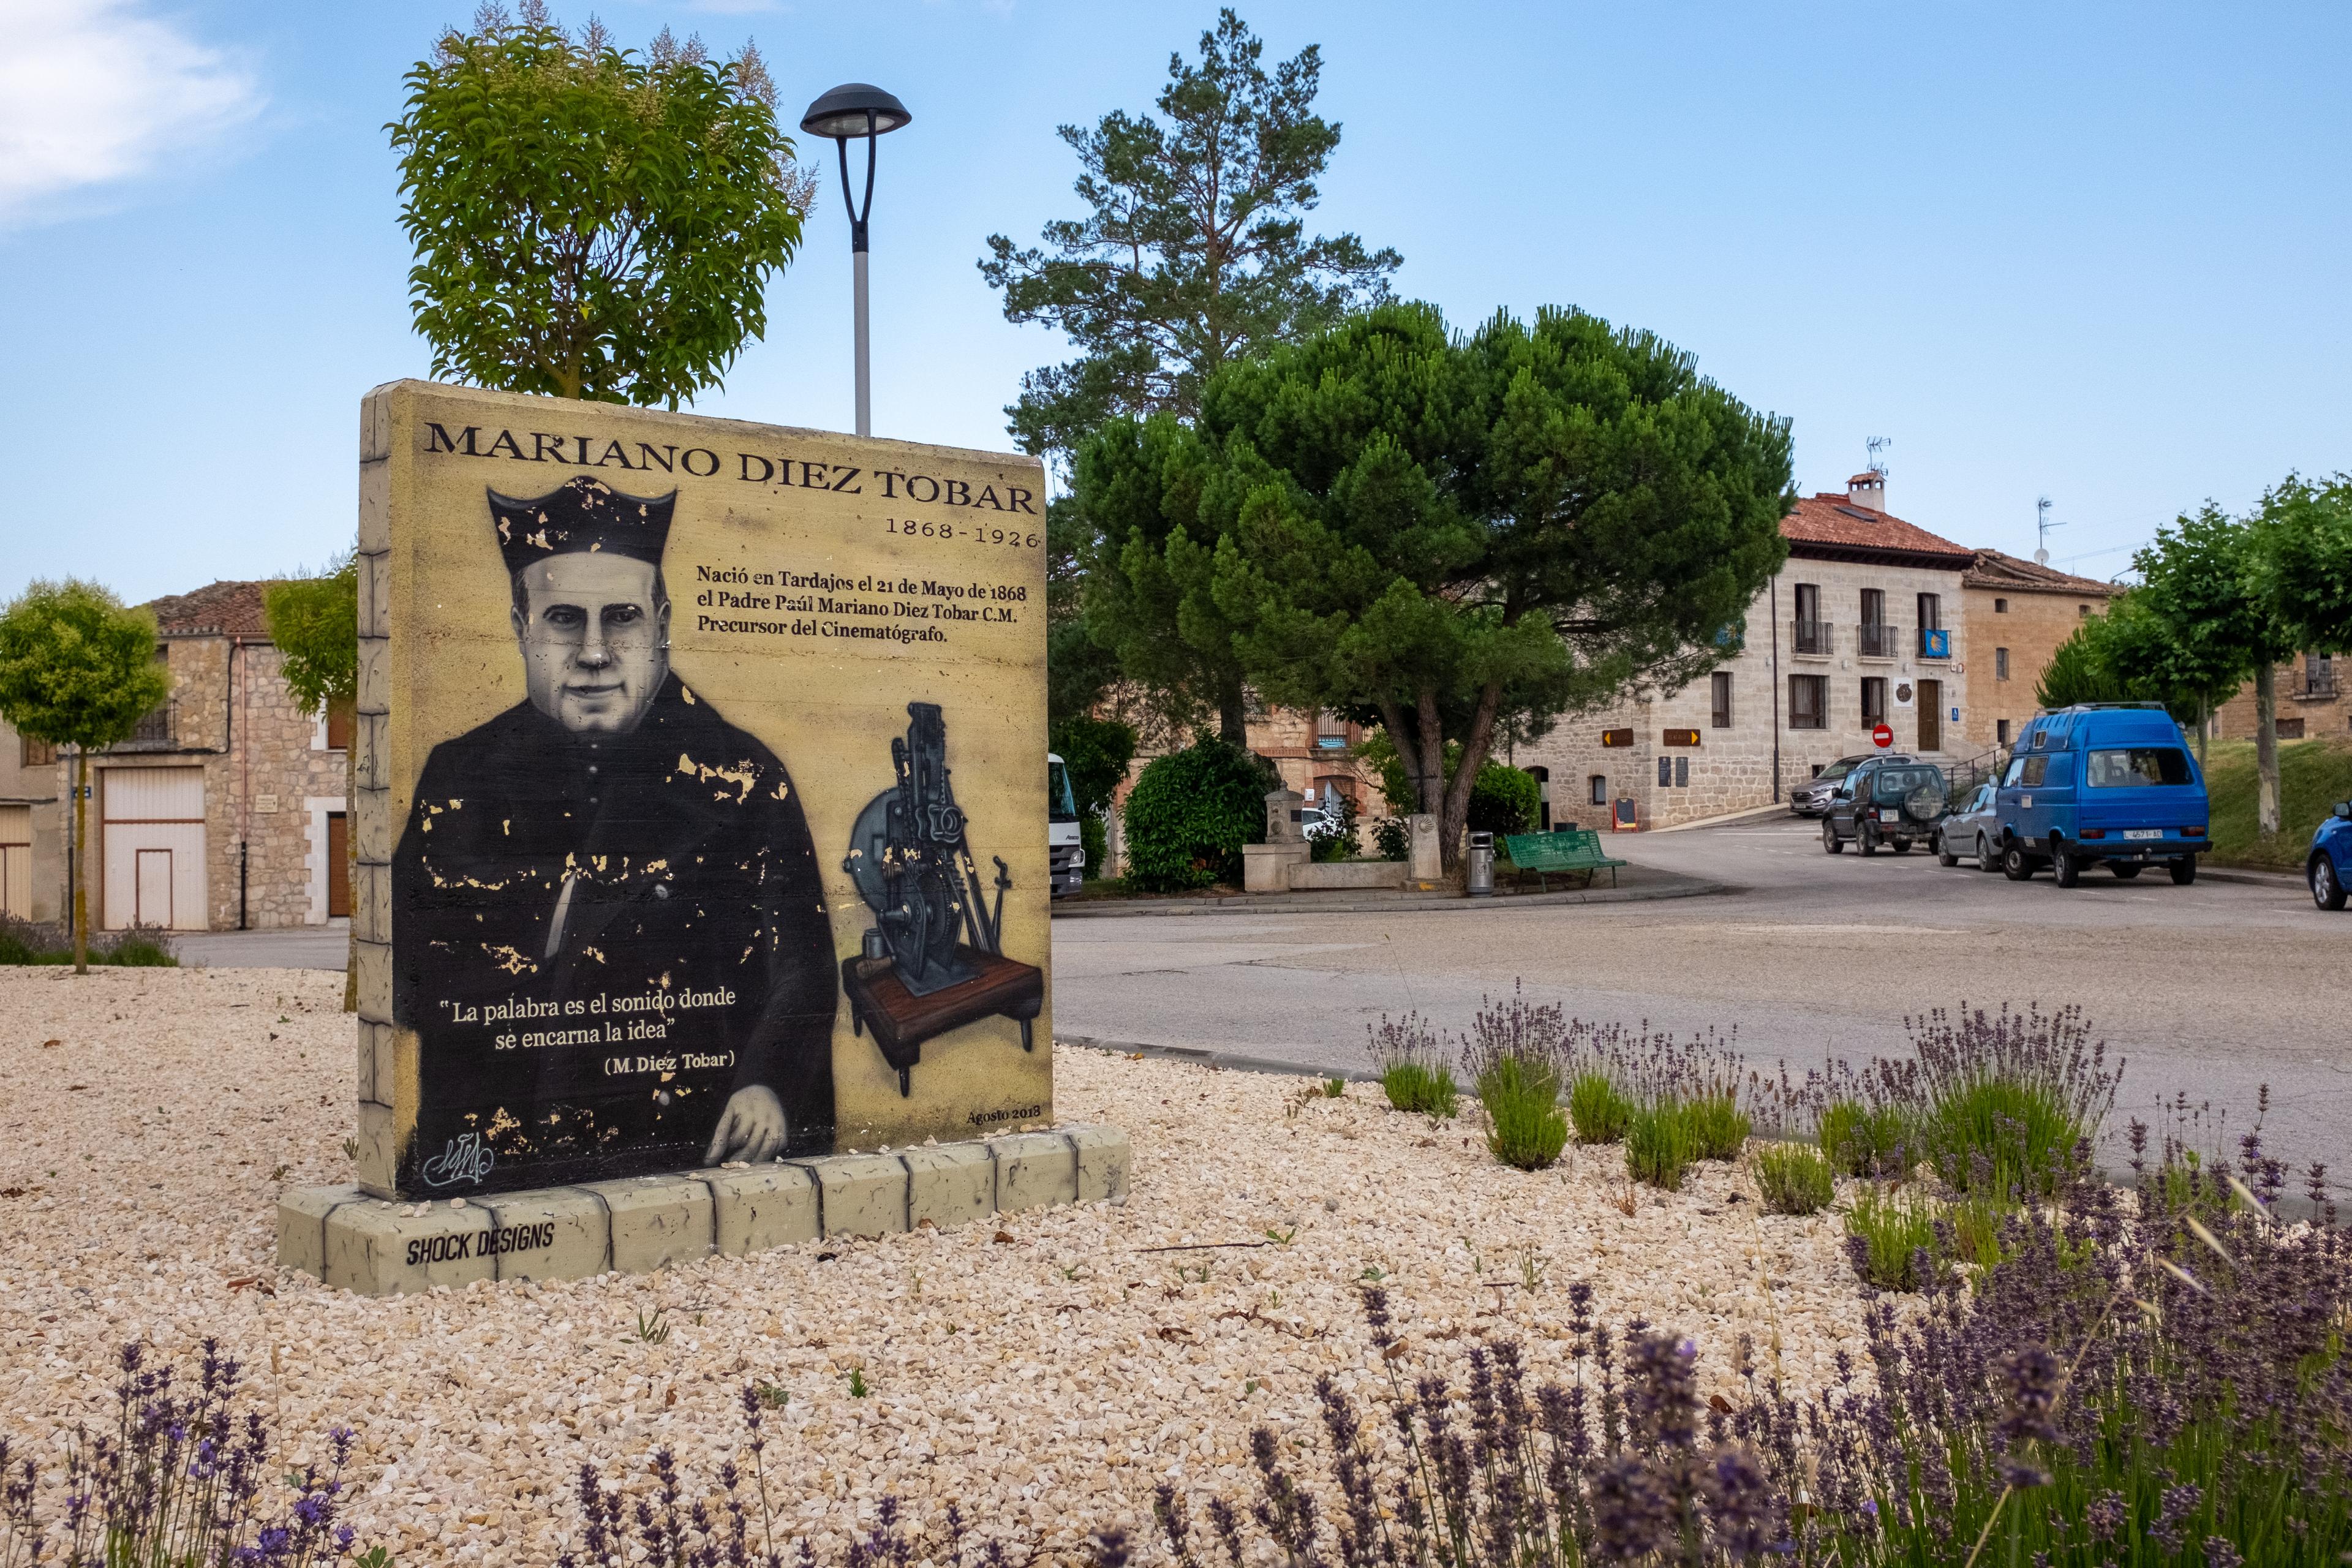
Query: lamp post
857, 109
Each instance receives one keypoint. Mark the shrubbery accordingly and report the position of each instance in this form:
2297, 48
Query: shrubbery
140, 947
1504, 799
1414, 1073
1190, 813
1794, 1179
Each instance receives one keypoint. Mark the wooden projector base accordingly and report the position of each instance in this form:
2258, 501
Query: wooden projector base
902, 1021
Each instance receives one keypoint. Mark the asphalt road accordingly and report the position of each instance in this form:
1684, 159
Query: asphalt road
2214, 989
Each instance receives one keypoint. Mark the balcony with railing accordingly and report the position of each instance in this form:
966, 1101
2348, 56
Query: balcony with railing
1877, 641
1811, 636
2315, 685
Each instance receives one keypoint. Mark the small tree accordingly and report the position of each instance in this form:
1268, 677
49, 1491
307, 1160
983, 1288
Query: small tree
2301, 561
77, 669
314, 622
2198, 585
588, 222
1468, 537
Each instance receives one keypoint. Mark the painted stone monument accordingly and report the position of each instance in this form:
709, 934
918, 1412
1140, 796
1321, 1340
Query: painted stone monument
701, 817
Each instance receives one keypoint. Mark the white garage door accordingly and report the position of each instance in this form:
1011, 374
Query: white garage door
153, 848
17, 861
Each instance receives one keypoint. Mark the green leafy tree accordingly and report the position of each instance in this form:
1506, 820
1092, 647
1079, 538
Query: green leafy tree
590, 222
77, 669
1470, 537
1195, 250
1193, 253
2214, 629
2301, 561
314, 624
2079, 670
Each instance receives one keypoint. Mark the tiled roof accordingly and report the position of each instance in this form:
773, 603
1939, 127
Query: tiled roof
1995, 570
231, 609
1832, 525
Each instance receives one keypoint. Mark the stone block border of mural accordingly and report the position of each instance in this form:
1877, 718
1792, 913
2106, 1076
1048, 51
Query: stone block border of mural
379, 1247
700, 824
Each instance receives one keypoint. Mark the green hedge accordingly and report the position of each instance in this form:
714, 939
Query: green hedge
1190, 813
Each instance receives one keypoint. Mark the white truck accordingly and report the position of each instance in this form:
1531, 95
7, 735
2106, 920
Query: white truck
1066, 851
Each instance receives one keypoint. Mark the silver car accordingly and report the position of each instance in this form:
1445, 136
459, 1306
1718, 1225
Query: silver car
1812, 797
1974, 831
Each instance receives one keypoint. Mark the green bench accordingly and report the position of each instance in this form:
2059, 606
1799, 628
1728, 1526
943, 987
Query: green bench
1564, 850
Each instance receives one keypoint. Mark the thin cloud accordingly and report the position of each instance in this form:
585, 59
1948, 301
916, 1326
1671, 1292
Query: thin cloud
96, 92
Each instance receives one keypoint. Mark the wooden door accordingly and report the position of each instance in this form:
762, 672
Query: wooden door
151, 904
1931, 715
339, 865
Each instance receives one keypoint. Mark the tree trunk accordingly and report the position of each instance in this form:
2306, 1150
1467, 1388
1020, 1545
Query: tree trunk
81, 860
2266, 780
1455, 820
2204, 729
1232, 718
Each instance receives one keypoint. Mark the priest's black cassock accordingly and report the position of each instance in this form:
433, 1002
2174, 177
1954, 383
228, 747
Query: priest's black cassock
577, 874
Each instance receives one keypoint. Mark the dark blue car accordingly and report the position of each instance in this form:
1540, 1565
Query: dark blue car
2330, 866
2100, 784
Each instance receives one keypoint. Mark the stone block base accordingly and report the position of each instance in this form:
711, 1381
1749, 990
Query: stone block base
380, 1247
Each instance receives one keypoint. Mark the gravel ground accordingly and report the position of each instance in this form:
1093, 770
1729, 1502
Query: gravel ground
1045, 1377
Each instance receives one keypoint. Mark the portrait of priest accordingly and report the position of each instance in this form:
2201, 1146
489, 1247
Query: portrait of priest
609, 934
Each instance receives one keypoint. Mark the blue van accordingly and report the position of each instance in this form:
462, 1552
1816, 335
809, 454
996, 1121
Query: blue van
2102, 782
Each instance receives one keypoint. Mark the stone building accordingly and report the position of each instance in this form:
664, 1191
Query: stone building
2017, 612
225, 809
32, 833
2308, 692
1861, 627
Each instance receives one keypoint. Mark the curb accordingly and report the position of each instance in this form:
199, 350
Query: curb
2250, 877
1260, 904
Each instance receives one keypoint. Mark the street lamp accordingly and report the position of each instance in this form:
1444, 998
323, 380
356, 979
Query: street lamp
857, 109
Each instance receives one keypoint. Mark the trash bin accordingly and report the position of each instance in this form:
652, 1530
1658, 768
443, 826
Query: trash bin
1482, 864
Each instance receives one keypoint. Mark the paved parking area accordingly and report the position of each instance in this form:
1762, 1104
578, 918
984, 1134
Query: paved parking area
2214, 989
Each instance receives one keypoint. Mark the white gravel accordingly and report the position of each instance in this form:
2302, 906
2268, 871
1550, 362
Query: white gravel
1046, 1383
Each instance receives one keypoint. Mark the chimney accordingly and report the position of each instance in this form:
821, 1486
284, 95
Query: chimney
1867, 488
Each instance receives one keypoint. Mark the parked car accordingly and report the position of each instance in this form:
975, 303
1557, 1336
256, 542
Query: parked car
1973, 830
1813, 798
2102, 783
2330, 867
1893, 801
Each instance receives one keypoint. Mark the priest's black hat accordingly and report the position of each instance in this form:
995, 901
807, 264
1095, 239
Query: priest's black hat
581, 514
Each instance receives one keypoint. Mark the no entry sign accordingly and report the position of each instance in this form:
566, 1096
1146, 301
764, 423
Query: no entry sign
1883, 736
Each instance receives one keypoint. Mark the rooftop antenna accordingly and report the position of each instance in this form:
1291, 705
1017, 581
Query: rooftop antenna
1879, 444
2042, 525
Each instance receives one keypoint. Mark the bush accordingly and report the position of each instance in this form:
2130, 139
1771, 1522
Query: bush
1865, 1141
1521, 1094
2011, 1102
1504, 799
1392, 838
189, 1475
1413, 1071
1190, 813
1598, 1110
1794, 1179
1093, 837
1658, 1146
140, 947
1717, 1126
1891, 1237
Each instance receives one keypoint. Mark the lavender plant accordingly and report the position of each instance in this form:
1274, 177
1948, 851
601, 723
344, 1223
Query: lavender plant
1414, 1072
186, 1479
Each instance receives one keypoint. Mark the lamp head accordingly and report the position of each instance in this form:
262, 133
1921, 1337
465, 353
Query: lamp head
844, 112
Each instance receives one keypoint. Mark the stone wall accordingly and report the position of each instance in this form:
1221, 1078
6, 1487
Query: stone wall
2320, 704
269, 783
2030, 628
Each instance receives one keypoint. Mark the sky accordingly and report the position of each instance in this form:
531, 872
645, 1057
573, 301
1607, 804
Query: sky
2095, 253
